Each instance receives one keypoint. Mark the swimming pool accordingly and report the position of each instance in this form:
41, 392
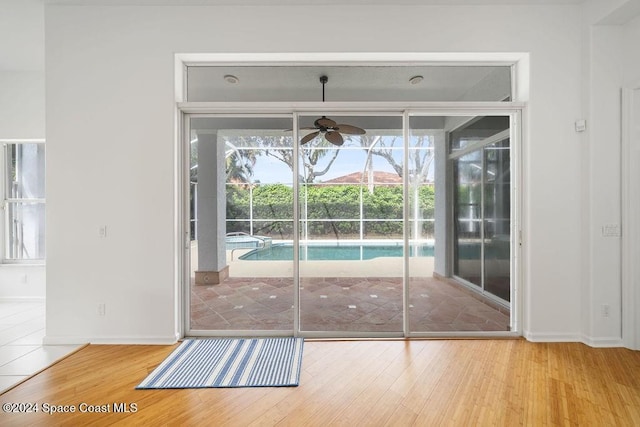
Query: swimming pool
243, 240
336, 252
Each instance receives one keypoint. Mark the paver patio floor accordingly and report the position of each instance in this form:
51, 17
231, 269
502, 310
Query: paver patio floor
359, 304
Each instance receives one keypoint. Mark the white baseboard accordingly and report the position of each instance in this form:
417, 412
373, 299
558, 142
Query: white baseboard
76, 340
590, 341
603, 341
553, 337
23, 299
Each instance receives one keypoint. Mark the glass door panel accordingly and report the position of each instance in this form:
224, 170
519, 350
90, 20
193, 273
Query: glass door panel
467, 245
454, 284
351, 227
241, 196
479, 152
425, 293
497, 219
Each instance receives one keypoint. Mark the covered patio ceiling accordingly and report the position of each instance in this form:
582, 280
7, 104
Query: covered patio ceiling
361, 83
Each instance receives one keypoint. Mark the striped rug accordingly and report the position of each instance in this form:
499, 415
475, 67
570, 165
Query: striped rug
229, 362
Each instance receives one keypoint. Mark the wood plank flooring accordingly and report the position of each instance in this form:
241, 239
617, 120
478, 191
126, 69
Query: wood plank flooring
358, 383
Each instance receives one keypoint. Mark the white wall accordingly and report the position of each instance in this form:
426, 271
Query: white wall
21, 112
631, 70
22, 283
110, 142
21, 117
21, 104
610, 55
602, 143
631, 40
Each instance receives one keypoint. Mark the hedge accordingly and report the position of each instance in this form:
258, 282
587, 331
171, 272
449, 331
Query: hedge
275, 202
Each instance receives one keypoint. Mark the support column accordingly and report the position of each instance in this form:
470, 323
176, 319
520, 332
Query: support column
211, 211
442, 207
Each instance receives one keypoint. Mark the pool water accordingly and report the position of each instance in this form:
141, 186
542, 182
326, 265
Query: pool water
284, 252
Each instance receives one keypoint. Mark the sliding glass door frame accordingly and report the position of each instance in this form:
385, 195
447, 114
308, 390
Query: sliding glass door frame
515, 162
188, 110
514, 111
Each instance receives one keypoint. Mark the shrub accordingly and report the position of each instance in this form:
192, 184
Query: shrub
274, 202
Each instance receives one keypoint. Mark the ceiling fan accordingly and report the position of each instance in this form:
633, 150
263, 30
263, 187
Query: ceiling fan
331, 130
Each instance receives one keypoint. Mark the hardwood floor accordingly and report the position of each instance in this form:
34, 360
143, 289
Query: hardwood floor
358, 383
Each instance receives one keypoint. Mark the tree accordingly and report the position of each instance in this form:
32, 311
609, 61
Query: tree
316, 159
239, 163
420, 158
312, 155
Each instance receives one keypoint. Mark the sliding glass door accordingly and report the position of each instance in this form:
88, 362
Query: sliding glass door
351, 225
241, 206
480, 155
459, 219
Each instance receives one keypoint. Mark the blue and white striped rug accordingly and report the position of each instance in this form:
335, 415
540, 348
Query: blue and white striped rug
229, 362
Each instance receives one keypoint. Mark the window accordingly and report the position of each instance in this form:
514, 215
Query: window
23, 201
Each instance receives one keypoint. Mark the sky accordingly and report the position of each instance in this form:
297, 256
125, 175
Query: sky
351, 158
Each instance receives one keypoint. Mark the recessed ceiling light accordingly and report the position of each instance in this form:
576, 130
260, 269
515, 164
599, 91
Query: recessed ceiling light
415, 80
231, 79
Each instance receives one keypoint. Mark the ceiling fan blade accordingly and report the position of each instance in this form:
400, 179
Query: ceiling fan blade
324, 122
334, 137
309, 137
350, 130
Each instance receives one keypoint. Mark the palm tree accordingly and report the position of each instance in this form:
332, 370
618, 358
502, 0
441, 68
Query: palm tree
239, 163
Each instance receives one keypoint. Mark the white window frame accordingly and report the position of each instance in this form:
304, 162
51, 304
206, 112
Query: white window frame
5, 200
